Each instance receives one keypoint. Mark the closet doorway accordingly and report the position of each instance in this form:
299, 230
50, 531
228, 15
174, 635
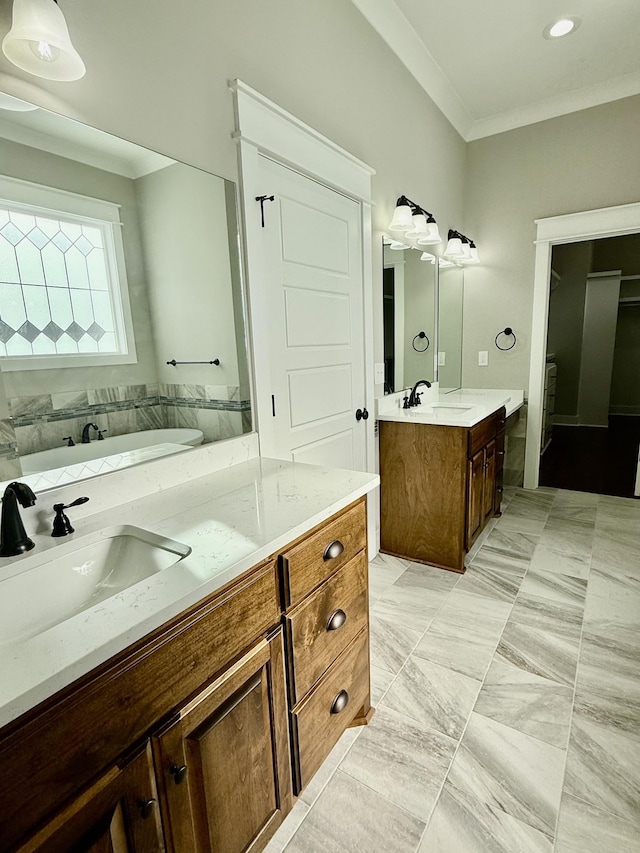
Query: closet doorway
591, 405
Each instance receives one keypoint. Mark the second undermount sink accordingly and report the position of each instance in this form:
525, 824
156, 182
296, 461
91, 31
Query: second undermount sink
43, 590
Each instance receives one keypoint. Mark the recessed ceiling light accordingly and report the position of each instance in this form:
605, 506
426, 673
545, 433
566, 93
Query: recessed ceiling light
561, 27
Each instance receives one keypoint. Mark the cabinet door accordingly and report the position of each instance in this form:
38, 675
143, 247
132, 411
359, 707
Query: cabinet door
489, 485
223, 764
475, 513
118, 814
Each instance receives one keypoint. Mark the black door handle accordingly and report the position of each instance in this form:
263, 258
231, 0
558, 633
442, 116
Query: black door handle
362, 414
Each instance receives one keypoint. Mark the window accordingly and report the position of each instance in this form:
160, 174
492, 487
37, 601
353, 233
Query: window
63, 293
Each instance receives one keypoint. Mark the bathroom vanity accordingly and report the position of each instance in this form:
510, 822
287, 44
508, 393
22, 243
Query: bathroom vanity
188, 711
441, 473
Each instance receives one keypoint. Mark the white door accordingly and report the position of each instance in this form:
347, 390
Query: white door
312, 251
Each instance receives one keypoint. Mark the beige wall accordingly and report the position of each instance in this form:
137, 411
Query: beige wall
577, 162
157, 74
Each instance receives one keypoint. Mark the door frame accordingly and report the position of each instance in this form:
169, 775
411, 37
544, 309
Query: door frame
264, 128
553, 231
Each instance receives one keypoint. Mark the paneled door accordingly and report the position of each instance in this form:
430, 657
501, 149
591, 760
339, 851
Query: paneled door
312, 251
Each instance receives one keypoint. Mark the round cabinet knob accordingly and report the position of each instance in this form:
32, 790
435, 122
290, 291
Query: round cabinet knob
178, 773
336, 620
146, 807
340, 702
333, 550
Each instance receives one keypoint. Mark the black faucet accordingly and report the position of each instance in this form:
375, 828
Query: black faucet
61, 523
13, 537
85, 432
414, 397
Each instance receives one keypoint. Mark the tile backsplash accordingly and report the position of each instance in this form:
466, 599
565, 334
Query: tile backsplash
41, 422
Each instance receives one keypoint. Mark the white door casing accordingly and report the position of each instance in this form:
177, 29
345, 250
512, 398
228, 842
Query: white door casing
554, 230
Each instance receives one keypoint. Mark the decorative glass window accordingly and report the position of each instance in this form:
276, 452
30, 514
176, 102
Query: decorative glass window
63, 291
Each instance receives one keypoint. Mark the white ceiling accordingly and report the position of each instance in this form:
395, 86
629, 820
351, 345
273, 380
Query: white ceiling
488, 67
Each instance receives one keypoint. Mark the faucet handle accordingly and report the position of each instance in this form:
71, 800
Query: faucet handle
69, 440
100, 434
418, 400
406, 403
61, 523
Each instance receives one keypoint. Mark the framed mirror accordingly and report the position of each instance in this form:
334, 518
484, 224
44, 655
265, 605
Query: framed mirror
410, 288
122, 326
450, 299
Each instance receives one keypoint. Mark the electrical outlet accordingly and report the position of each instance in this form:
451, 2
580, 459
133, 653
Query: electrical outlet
483, 358
442, 358
378, 373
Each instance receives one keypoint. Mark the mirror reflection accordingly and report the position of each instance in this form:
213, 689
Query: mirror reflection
114, 261
450, 298
409, 306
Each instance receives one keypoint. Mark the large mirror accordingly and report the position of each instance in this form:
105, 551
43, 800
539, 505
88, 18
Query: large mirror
410, 286
450, 299
115, 262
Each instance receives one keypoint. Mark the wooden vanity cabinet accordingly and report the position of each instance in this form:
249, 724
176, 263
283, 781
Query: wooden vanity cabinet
324, 578
223, 762
439, 485
182, 743
119, 813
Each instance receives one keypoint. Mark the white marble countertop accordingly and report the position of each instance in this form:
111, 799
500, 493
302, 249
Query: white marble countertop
231, 520
462, 408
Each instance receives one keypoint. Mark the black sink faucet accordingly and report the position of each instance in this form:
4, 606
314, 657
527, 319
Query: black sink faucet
85, 432
13, 537
414, 397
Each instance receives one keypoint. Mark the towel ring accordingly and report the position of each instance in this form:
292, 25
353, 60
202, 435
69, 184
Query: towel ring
422, 336
508, 331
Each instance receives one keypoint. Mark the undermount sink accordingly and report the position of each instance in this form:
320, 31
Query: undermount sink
450, 411
43, 590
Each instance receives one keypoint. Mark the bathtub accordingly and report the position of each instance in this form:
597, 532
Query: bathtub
62, 457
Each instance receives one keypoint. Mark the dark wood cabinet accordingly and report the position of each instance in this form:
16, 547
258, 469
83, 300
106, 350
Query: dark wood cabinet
223, 764
439, 485
119, 813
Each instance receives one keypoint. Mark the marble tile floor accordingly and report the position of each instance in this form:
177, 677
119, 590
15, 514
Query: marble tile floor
507, 699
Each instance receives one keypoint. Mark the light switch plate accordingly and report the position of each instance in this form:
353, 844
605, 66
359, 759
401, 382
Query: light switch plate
378, 373
442, 358
483, 358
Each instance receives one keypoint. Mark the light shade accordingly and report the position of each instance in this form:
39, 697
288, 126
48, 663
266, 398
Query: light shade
454, 247
402, 219
15, 105
38, 42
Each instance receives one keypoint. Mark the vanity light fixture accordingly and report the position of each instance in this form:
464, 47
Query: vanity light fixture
562, 27
461, 249
39, 43
415, 222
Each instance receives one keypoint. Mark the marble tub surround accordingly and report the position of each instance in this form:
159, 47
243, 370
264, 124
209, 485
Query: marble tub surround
531, 739
220, 411
231, 520
464, 408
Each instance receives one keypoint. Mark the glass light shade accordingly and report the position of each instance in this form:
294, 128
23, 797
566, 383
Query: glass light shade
425, 256
8, 102
397, 246
39, 42
465, 250
454, 248
419, 225
402, 219
474, 259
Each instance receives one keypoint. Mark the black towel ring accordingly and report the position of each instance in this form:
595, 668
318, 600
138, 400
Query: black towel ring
510, 334
422, 336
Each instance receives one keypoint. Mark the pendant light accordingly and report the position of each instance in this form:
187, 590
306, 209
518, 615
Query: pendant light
39, 43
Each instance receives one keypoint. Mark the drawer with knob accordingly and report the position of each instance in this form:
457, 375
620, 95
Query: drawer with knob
324, 624
320, 719
309, 562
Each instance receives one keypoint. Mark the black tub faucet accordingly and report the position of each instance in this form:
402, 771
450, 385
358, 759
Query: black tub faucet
85, 432
13, 537
414, 397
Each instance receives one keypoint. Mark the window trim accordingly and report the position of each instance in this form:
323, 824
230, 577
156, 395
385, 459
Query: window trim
104, 215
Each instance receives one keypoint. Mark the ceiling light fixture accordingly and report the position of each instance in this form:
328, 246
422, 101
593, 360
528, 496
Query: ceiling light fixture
562, 27
415, 222
39, 43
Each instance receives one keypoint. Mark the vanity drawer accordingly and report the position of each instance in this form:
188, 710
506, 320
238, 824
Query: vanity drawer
330, 708
324, 624
482, 433
309, 562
